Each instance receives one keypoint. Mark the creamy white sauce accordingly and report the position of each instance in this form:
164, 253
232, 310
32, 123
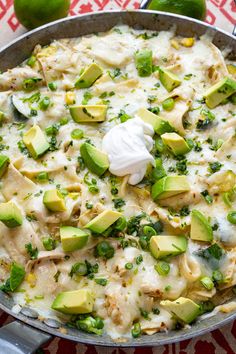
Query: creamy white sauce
128, 146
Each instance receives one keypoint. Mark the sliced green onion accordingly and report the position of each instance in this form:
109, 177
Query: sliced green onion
31, 61
79, 269
49, 243
101, 281
207, 283
120, 224
42, 176
128, 266
168, 104
104, 249
64, 121
136, 330
159, 145
44, 104
52, 86
139, 259
231, 217
217, 276
77, 134
30, 84
149, 231
162, 268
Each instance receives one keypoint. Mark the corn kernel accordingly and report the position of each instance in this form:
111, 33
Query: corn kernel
46, 52
231, 69
187, 42
31, 279
174, 44
73, 195
70, 97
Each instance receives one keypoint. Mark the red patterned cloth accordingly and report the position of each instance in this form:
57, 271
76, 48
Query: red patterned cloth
221, 13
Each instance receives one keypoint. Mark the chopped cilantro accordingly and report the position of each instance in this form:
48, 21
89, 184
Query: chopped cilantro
32, 252
215, 166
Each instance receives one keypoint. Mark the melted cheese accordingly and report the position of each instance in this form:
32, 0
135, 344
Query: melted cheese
129, 147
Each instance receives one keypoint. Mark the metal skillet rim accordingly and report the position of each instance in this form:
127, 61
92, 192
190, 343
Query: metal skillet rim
101, 341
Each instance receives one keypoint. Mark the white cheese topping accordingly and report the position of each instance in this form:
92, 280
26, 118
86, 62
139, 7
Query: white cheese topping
128, 146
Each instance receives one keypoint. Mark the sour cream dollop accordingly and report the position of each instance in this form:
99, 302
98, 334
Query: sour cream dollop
128, 146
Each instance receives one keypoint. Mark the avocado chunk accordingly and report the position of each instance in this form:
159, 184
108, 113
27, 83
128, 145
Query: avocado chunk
201, 230
104, 220
54, 200
96, 160
73, 238
10, 214
219, 92
89, 76
159, 125
169, 80
88, 113
35, 141
74, 302
4, 162
163, 246
175, 143
169, 186
183, 308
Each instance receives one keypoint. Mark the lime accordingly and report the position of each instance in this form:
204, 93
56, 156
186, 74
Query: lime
190, 8
35, 13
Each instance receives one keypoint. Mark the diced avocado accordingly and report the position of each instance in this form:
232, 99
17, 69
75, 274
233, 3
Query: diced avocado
219, 92
89, 76
170, 186
201, 230
73, 238
175, 143
96, 160
4, 162
231, 69
159, 125
54, 200
74, 302
143, 62
168, 79
163, 246
10, 214
185, 309
88, 113
104, 220
35, 141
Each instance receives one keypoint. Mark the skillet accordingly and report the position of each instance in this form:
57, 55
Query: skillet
26, 334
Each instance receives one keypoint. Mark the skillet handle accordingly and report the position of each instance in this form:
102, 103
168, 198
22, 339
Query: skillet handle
144, 4
18, 338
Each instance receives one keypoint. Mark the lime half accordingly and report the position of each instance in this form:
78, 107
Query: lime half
35, 13
190, 8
